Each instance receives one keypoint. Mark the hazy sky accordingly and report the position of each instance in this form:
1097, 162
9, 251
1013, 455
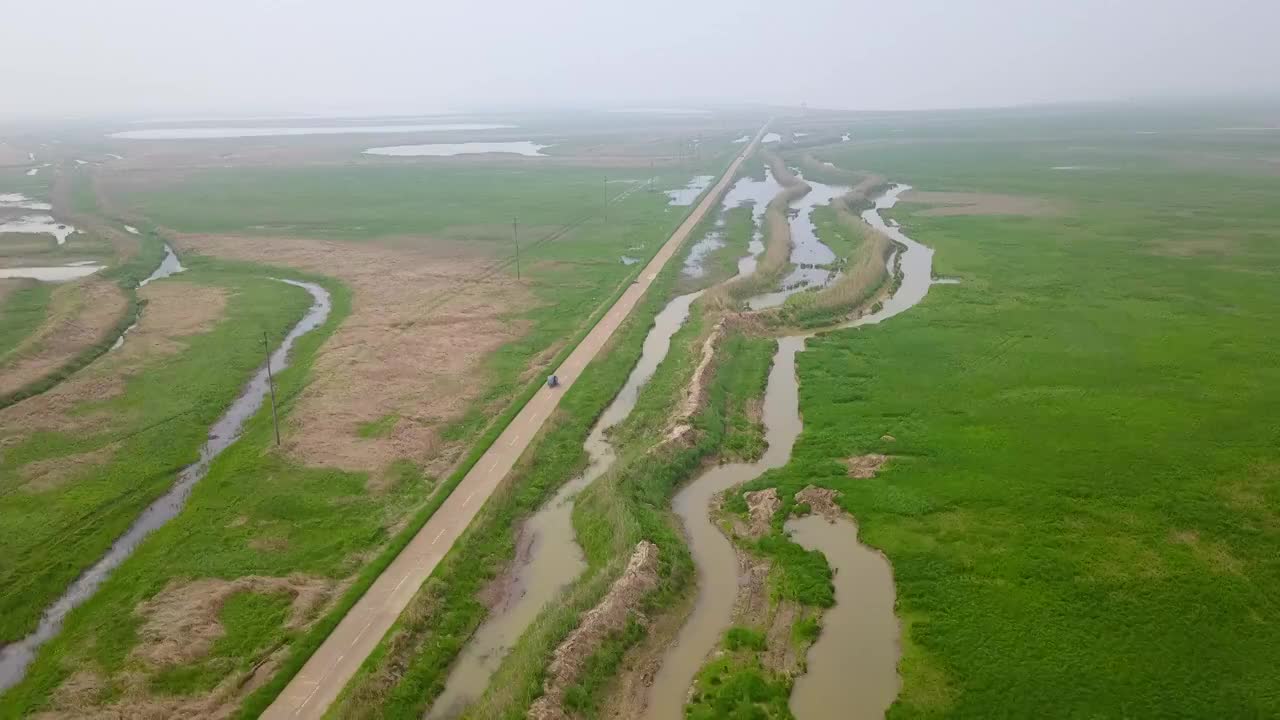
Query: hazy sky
149, 57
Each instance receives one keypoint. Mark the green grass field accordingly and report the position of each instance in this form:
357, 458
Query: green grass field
156, 426
1082, 505
260, 515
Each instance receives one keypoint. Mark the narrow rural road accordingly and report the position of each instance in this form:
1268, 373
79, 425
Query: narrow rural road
317, 685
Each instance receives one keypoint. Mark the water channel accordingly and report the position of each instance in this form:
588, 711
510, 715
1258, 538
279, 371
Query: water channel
548, 556
714, 555
17, 656
810, 256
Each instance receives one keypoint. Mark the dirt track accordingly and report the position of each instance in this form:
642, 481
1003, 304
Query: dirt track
313, 689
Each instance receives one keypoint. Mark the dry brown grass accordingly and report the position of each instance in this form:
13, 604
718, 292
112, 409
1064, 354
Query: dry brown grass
413, 347
960, 203
181, 623
53, 473
80, 315
606, 618
175, 310
1211, 247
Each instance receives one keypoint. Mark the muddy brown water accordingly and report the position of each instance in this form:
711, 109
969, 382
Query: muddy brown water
16, 657
712, 552
852, 668
554, 558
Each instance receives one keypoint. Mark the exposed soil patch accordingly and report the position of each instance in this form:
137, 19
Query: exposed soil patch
606, 618
865, 466
1213, 247
1216, 555
53, 473
960, 203
175, 310
821, 501
80, 315
696, 390
762, 506
414, 345
182, 622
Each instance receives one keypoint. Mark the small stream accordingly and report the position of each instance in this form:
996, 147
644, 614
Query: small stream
170, 265
16, 657
809, 255
714, 556
548, 540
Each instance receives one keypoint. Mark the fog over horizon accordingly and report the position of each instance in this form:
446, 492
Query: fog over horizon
148, 58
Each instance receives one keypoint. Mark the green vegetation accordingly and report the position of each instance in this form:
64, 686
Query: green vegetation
317, 521
157, 426
21, 313
252, 620
1081, 503
737, 687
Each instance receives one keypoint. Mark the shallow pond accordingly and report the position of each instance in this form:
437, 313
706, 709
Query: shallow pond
53, 273
519, 147
688, 194
38, 225
746, 191
807, 250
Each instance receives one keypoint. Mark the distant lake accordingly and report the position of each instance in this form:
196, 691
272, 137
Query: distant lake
210, 133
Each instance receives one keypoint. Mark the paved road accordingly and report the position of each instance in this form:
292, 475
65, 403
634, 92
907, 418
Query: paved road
316, 686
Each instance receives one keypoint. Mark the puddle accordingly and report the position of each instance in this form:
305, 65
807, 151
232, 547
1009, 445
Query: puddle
38, 224
18, 200
713, 555
82, 162
15, 657
744, 138
170, 265
211, 133
131, 229
746, 190
53, 273
844, 137
32, 171
807, 251
686, 195
555, 559
114, 156
852, 670
799, 134
629, 260
521, 147
771, 138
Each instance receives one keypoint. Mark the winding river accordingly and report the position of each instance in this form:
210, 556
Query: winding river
548, 555
713, 554
17, 656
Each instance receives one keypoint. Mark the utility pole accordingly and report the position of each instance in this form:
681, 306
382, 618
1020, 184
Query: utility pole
266, 347
515, 238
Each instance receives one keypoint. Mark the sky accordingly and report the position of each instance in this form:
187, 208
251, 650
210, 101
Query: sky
151, 58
